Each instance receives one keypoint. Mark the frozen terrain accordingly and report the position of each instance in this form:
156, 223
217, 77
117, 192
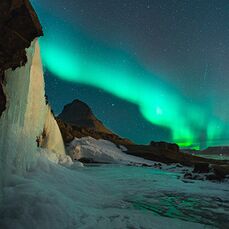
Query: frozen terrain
111, 196
102, 151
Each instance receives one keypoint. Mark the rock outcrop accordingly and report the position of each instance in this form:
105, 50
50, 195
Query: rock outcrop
77, 120
169, 156
19, 26
165, 146
216, 150
201, 168
221, 171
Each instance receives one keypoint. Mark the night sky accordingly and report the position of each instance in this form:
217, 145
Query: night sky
149, 69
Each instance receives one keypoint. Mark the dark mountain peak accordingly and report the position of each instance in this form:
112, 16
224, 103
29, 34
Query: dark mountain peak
79, 114
78, 120
78, 109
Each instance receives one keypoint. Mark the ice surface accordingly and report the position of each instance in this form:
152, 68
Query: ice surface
110, 196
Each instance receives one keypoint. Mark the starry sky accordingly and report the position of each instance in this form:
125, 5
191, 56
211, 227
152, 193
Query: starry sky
149, 69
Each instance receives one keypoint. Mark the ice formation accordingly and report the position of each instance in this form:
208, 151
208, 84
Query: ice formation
51, 137
27, 118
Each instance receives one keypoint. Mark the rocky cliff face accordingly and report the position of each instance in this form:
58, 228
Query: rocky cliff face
78, 120
19, 26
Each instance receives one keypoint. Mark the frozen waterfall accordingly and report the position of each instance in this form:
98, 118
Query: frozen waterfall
26, 118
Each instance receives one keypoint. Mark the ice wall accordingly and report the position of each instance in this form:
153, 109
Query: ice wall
51, 137
26, 117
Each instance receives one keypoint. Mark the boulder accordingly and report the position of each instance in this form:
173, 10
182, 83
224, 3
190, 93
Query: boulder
201, 168
221, 171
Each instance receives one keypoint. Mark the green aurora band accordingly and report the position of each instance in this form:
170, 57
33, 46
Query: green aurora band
75, 56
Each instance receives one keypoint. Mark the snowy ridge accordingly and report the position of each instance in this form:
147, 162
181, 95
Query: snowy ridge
101, 151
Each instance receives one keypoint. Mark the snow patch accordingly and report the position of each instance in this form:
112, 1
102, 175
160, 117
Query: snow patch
101, 151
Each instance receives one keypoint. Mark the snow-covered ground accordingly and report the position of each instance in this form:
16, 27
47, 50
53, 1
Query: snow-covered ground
102, 151
110, 196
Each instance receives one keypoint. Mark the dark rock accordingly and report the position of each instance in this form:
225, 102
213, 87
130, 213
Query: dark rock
90, 161
186, 181
216, 150
166, 146
213, 177
188, 176
80, 114
19, 26
69, 132
197, 177
168, 156
145, 165
86, 160
221, 171
201, 168
193, 177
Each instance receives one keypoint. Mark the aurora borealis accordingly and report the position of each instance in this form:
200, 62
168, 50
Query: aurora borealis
73, 53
